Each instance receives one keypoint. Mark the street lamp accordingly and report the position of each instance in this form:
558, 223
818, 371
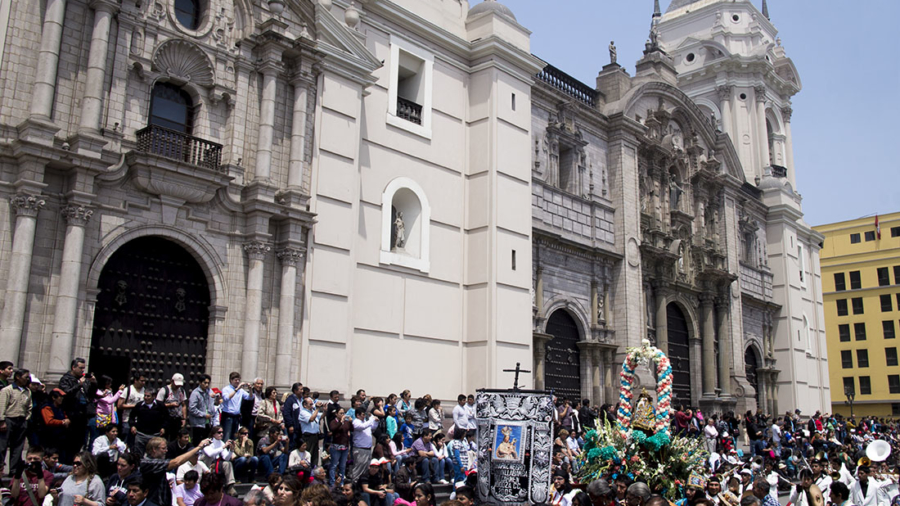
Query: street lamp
848, 391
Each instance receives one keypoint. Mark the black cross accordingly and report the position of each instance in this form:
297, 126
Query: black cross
517, 370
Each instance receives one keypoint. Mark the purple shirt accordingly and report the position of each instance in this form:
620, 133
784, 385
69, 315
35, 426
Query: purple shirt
422, 446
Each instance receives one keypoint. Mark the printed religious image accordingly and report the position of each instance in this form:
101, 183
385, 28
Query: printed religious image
509, 442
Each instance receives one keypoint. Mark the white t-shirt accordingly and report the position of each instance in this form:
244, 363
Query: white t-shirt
296, 457
711, 432
473, 422
187, 466
189, 496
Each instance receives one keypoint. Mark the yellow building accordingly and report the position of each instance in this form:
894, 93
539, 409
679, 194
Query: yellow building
861, 285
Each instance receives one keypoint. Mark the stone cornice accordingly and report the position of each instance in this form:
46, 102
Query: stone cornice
546, 241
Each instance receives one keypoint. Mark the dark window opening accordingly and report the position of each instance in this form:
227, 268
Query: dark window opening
890, 354
171, 107
842, 307
846, 359
887, 304
855, 280
884, 276
188, 13
844, 332
862, 358
860, 330
854, 238
849, 386
858, 305
840, 283
865, 385
894, 383
870, 236
887, 327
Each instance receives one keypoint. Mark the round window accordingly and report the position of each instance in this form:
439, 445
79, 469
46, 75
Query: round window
690, 57
188, 13
735, 18
743, 96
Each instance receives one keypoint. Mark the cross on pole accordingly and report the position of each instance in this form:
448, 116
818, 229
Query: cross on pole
517, 370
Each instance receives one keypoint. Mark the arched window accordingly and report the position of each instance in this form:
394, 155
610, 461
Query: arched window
406, 222
770, 134
171, 107
188, 13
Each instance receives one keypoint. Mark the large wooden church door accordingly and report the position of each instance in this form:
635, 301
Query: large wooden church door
562, 370
679, 355
152, 314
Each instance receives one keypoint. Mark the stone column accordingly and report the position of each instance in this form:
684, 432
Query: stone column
269, 71
256, 253
761, 131
595, 304
773, 393
539, 292
298, 133
709, 345
92, 103
725, 366
289, 257
64, 317
540, 355
786, 113
662, 322
596, 391
44, 90
610, 366
725, 93
13, 316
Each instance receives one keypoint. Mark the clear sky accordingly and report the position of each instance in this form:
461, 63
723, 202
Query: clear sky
846, 121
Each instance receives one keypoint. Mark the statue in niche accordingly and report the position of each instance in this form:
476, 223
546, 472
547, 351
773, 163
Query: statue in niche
612, 52
675, 192
399, 231
600, 311
681, 258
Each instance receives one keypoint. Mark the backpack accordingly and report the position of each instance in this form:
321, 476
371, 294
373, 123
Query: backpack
380, 430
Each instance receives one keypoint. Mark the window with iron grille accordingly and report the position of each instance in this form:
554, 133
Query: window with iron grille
894, 383
840, 284
865, 386
844, 332
890, 355
857, 305
887, 304
849, 386
842, 307
888, 327
862, 358
870, 236
884, 276
854, 238
855, 282
846, 359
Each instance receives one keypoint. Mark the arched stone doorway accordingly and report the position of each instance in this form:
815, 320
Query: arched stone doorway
562, 372
751, 364
679, 354
152, 313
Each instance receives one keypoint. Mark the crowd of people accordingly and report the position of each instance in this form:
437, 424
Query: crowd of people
92, 443
815, 461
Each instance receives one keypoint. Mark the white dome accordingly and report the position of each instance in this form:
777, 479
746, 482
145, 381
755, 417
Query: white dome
490, 6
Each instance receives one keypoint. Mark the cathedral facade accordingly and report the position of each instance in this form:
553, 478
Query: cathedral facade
351, 195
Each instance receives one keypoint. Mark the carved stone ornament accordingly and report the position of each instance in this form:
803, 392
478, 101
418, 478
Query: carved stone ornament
77, 215
786, 113
760, 92
257, 250
290, 256
27, 205
184, 62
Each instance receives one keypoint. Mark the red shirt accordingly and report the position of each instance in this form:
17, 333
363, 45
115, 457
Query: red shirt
32, 481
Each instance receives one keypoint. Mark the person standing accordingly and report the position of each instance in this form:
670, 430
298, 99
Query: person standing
362, 444
460, 415
232, 396
310, 418
148, 420
201, 408
133, 395
154, 466
75, 384
15, 411
6, 370
175, 400
291, 413
470, 411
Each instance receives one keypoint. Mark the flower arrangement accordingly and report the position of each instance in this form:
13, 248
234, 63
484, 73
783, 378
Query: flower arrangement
662, 461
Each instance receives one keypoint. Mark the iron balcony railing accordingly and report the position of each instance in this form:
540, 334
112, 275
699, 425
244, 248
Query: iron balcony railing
409, 110
568, 85
179, 146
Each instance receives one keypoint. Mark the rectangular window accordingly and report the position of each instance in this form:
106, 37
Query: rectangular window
884, 276
849, 386
888, 327
894, 383
846, 359
862, 358
410, 87
870, 236
855, 282
840, 283
844, 332
860, 330
897, 274
842, 307
857, 305
895, 231
865, 386
895, 407
887, 304
890, 355
854, 238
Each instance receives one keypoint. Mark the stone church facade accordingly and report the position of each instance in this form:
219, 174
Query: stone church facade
325, 191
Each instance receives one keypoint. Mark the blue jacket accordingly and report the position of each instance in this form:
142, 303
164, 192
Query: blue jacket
288, 411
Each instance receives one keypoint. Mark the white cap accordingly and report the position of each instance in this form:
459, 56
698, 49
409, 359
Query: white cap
34, 379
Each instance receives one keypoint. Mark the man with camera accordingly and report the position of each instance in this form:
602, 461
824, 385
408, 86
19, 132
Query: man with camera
31, 481
310, 416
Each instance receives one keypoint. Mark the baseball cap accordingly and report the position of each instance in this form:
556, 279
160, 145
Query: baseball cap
178, 379
34, 379
58, 391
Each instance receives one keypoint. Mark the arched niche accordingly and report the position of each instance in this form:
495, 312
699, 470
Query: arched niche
405, 225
